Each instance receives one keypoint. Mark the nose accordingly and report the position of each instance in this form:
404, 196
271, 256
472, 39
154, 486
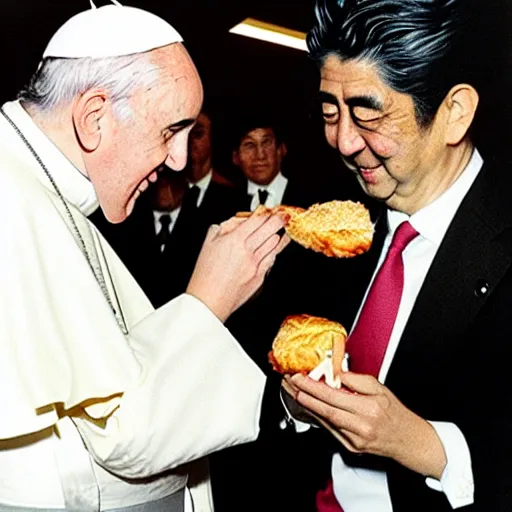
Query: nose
260, 152
348, 138
177, 152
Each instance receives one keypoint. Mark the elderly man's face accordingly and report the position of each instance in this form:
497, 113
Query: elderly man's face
259, 155
375, 130
157, 132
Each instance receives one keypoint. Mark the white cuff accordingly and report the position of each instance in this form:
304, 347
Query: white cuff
457, 479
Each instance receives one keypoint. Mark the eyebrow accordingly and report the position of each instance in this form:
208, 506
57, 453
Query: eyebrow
179, 125
327, 97
364, 100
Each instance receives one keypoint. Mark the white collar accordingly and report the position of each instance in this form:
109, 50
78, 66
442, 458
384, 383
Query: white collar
432, 221
160, 213
203, 182
276, 187
74, 186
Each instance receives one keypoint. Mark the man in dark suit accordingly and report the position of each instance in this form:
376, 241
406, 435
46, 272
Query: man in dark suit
217, 199
398, 99
259, 151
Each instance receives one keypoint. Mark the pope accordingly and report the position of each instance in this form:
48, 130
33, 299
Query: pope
107, 404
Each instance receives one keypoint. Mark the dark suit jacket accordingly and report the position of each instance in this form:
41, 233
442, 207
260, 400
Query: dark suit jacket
220, 202
453, 360
455, 347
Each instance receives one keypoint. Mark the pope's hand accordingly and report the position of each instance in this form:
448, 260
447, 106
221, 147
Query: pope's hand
235, 257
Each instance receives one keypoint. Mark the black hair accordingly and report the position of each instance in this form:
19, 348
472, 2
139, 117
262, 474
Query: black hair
252, 121
420, 47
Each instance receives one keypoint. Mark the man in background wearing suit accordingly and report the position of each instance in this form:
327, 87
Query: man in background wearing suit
259, 151
216, 198
399, 95
258, 154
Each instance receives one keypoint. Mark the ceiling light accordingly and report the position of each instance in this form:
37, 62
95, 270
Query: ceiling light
271, 33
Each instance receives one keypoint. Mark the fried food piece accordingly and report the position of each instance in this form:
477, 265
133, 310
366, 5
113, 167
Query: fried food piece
303, 341
340, 229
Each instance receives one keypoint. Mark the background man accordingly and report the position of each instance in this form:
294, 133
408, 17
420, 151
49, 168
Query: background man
216, 197
259, 153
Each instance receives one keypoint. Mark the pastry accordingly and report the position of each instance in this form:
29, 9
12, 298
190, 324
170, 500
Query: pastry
303, 341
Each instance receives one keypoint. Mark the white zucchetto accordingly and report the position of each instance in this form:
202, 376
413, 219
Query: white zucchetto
110, 31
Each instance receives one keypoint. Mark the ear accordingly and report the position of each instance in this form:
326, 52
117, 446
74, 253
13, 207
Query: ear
89, 113
282, 150
235, 158
461, 103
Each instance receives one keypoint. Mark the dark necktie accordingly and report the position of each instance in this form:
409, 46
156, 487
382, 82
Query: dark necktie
188, 211
262, 195
369, 339
163, 234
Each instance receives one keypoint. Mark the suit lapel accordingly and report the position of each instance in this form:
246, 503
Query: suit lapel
472, 259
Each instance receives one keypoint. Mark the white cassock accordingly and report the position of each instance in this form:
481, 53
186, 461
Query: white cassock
175, 388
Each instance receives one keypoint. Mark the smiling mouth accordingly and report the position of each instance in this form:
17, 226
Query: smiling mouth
143, 186
369, 174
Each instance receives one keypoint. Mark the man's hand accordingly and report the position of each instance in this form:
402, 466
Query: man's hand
234, 260
372, 420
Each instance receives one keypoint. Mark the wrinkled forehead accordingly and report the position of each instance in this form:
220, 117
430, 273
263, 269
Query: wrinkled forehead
178, 77
355, 73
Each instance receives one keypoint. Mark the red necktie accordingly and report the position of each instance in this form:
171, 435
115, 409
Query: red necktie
368, 341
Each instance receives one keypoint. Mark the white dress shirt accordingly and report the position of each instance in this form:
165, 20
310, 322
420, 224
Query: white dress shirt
360, 489
275, 191
203, 185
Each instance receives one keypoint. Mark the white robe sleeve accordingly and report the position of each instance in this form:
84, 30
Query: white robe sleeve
176, 388
199, 392
59, 341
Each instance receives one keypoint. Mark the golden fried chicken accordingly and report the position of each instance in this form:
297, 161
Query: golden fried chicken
341, 229
303, 341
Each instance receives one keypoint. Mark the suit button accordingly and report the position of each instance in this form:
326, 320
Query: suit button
481, 288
